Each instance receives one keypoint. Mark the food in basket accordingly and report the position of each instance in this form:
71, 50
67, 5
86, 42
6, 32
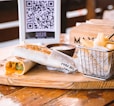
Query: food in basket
110, 46
97, 61
46, 56
18, 66
102, 40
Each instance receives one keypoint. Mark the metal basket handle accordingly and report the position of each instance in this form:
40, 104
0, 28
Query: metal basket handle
110, 36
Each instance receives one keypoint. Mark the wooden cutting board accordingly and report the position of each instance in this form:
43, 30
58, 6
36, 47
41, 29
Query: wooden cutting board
39, 76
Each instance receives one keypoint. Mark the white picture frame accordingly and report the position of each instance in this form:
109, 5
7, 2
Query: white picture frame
29, 13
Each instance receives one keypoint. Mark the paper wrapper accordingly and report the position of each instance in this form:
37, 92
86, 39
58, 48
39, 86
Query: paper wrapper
89, 31
10, 66
45, 56
61, 61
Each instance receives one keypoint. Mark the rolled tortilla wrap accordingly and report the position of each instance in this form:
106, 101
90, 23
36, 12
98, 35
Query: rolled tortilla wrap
61, 61
18, 66
46, 56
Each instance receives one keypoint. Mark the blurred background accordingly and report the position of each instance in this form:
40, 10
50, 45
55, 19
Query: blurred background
72, 11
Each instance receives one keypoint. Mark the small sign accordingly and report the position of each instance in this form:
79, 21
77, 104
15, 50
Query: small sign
39, 21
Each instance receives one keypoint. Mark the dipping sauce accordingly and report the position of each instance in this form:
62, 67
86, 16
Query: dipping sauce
61, 48
64, 48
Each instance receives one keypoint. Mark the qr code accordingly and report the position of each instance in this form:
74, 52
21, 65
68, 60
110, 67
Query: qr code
39, 15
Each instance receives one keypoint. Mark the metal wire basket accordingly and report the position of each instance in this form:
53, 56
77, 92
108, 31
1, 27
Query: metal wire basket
97, 63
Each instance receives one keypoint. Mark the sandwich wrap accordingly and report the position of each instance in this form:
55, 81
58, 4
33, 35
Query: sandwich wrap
46, 56
18, 66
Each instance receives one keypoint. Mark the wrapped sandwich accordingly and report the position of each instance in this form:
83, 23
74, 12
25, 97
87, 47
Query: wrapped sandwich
18, 66
46, 56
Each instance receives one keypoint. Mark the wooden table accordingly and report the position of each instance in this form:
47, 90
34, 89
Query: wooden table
36, 96
28, 96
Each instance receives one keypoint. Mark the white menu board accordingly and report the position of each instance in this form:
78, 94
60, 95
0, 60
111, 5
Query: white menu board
39, 21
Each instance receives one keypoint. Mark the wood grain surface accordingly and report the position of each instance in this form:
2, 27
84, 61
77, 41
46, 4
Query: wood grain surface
39, 96
29, 96
39, 76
